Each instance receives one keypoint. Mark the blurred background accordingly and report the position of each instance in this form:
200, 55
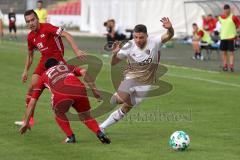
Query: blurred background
89, 15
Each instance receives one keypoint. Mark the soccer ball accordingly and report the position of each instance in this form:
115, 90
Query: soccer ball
179, 141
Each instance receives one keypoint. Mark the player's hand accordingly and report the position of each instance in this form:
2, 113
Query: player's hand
24, 76
24, 128
166, 23
116, 47
97, 94
81, 55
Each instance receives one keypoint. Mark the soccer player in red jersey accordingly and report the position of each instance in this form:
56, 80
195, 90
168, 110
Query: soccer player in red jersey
67, 90
47, 39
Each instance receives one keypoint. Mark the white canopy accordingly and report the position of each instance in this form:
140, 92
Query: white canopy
128, 13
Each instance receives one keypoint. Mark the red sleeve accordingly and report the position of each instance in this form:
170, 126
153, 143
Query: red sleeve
37, 91
75, 70
57, 31
200, 34
236, 21
31, 46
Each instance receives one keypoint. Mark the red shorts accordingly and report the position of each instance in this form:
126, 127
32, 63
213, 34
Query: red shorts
41, 65
63, 103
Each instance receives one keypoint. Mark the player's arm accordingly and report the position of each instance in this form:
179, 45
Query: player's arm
170, 31
74, 46
30, 110
90, 82
116, 48
28, 63
37, 91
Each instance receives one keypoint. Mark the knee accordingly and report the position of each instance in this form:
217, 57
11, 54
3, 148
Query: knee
117, 99
126, 109
84, 116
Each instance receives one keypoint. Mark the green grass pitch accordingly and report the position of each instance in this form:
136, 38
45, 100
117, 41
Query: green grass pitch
204, 104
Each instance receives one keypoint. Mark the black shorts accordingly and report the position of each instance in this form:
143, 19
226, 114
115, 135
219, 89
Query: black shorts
227, 45
13, 27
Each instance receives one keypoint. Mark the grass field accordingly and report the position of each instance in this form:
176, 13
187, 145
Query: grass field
203, 103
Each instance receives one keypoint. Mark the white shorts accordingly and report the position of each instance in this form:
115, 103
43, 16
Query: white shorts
136, 90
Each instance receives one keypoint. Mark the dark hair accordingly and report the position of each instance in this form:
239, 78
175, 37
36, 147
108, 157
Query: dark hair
111, 20
40, 1
194, 24
226, 6
51, 62
29, 12
105, 24
140, 28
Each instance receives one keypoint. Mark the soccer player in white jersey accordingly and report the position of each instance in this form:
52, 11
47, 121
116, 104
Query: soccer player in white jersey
143, 55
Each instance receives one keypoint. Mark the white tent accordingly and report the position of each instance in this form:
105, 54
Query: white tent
128, 13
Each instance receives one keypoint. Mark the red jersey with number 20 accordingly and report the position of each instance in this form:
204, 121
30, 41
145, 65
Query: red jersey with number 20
61, 80
47, 40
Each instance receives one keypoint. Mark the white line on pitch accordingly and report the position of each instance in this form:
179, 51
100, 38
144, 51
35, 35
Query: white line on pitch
206, 80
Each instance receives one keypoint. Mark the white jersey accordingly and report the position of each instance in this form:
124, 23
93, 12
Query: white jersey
143, 63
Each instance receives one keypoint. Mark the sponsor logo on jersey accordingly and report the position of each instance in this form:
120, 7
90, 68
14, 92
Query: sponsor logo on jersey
40, 45
147, 51
42, 35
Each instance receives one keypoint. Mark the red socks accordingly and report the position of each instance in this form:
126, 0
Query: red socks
64, 125
92, 125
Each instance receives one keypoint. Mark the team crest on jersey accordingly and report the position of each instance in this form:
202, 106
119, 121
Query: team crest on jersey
40, 45
147, 51
42, 35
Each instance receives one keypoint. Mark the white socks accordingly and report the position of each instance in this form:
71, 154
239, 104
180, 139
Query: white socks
113, 118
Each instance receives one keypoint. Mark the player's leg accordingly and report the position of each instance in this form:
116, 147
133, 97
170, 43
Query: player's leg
225, 65
194, 49
120, 98
36, 75
33, 83
231, 61
231, 54
15, 32
61, 107
197, 50
123, 96
82, 106
224, 48
130, 94
10, 32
